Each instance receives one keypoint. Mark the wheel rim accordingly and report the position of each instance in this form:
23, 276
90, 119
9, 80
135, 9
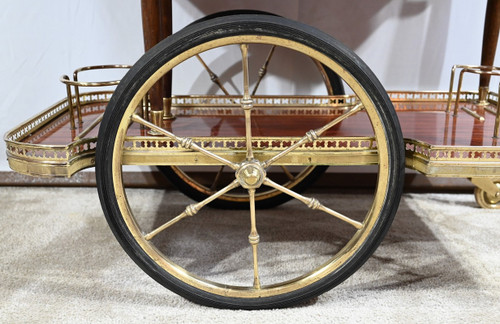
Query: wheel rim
340, 258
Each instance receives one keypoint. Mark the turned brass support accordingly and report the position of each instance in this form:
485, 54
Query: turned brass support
483, 93
76, 84
483, 96
90, 127
167, 109
70, 102
487, 185
77, 97
473, 114
483, 90
145, 108
496, 113
156, 117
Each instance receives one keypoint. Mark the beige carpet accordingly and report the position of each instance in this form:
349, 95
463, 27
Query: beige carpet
440, 263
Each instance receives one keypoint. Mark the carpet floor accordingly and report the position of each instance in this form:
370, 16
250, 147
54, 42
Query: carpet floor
60, 263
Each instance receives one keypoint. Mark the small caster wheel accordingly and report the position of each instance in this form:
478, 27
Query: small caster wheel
486, 200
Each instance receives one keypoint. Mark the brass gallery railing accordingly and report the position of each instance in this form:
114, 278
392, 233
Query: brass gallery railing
28, 157
74, 149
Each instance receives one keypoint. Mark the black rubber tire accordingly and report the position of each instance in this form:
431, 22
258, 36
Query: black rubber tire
232, 13
308, 181
259, 25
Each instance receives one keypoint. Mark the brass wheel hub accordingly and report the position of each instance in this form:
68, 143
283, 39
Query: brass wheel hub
250, 174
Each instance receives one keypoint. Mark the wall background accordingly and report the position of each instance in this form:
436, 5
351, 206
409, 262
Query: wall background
409, 44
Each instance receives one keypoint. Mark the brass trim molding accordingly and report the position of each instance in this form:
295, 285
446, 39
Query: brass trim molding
452, 161
52, 160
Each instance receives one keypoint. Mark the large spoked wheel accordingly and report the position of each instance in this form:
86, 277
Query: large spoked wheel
200, 187
288, 257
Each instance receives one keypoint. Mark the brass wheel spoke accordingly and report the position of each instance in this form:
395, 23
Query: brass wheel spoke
213, 187
312, 203
213, 77
247, 101
185, 142
254, 239
192, 209
287, 172
313, 135
263, 69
